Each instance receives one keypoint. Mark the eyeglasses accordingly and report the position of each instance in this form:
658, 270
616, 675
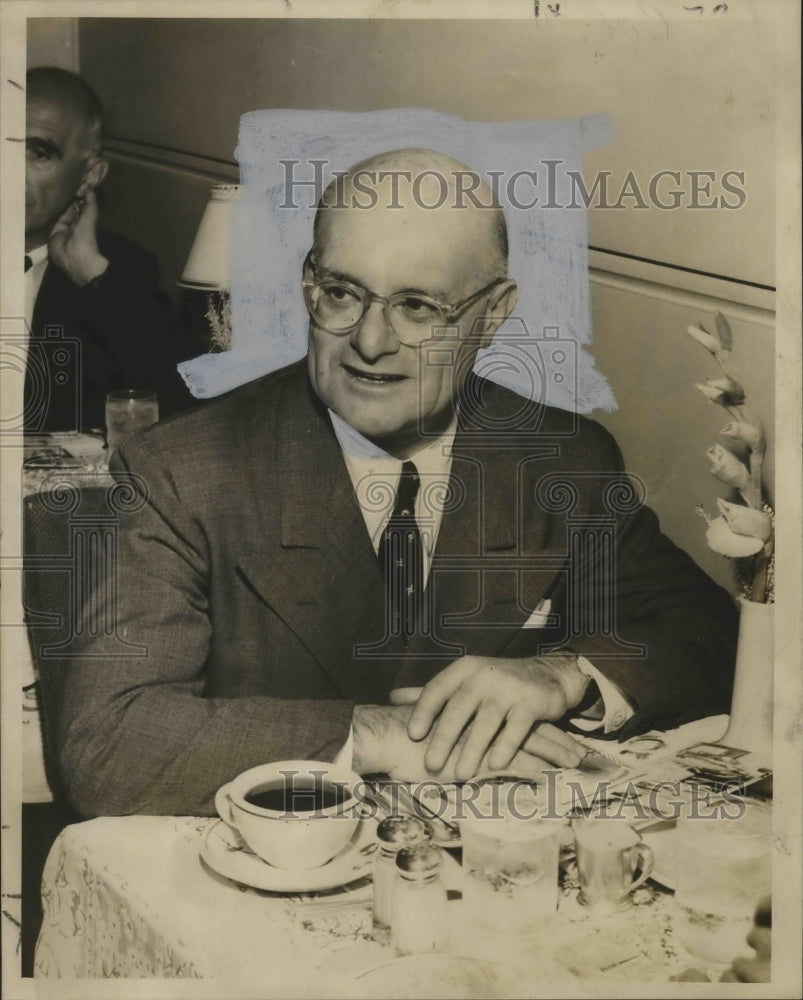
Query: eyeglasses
338, 306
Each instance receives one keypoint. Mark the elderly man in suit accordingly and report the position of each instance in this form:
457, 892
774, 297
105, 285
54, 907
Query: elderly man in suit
375, 552
98, 289
97, 321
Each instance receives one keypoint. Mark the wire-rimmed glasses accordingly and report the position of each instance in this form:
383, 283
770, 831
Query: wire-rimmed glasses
338, 306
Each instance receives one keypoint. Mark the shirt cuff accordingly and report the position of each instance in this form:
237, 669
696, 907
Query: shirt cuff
345, 755
612, 705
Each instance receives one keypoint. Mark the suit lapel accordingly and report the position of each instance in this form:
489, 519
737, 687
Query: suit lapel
486, 577
323, 579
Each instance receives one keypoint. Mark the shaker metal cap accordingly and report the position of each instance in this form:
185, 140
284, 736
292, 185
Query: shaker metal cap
423, 859
403, 831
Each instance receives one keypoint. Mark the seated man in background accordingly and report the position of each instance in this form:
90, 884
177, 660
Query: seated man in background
99, 289
98, 292
315, 547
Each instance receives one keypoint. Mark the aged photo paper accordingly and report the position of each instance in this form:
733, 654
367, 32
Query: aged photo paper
647, 157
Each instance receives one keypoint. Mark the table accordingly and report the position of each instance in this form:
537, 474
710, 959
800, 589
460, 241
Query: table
66, 490
70, 501
52, 459
130, 897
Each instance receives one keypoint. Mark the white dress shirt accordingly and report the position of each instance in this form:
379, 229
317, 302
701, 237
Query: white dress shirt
33, 279
375, 476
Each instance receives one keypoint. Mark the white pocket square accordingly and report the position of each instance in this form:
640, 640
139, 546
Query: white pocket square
540, 617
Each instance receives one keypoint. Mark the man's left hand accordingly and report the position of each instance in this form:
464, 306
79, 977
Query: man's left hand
73, 243
503, 700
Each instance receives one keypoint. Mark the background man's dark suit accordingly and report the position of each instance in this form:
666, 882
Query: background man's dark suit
125, 334
249, 579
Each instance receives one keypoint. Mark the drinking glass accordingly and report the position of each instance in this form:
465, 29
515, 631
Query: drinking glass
510, 881
128, 410
609, 855
723, 869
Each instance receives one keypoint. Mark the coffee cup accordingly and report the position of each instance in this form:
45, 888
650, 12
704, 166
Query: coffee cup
612, 861
294, 814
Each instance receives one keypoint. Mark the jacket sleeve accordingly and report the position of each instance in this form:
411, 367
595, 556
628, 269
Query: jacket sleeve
645, 615
136, 733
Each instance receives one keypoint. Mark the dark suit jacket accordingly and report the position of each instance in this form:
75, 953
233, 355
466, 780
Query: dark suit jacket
249, 582
115, 334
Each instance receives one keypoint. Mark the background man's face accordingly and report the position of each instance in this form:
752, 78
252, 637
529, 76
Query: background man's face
57, 151
382, 388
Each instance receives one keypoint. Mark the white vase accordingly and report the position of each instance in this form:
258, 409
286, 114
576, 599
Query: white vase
750, 725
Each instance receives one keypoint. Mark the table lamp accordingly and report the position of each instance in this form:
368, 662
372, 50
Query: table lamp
207, 267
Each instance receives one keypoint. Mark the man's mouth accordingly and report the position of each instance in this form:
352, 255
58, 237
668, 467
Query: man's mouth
375, 378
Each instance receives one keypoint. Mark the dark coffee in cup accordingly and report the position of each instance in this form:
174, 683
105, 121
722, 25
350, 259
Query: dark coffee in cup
284, 811
289, 797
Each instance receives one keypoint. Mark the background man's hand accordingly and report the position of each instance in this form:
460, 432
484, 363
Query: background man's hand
73, 242
383, 746
504, 700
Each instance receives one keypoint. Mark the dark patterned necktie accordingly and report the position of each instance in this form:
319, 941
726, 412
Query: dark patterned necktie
402, 558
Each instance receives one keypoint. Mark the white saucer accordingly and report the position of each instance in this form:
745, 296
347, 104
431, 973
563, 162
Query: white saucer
225, 851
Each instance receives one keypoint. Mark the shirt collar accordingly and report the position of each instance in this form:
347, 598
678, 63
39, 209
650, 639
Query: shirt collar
38, 254
432, 457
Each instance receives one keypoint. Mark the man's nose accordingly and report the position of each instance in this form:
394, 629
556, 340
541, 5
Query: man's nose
373, 336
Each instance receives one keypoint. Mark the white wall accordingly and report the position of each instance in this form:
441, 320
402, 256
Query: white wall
690, 96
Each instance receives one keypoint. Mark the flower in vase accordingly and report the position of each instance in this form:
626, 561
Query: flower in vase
708, 340
725, 390
748, 432
740, 530
746, 520
722, 539
727, 467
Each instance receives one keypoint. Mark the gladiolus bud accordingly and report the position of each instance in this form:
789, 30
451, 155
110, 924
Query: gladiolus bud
725, 391
727, 467
752, 434
728, 543
708, 340
746, 520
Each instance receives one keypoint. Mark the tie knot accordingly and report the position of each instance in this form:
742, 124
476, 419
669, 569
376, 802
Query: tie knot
408, 490
28, 262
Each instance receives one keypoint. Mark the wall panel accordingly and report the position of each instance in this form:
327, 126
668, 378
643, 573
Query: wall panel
686, 96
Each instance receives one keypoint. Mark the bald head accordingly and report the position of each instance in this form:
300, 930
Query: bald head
446, 197
409, 249
73, 95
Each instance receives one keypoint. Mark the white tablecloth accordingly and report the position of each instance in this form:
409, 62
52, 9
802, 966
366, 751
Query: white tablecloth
130, 897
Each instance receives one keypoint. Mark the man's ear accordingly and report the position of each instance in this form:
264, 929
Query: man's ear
94, 172
501, 303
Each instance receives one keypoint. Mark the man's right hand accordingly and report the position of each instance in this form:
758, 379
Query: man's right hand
73, 244
382, 746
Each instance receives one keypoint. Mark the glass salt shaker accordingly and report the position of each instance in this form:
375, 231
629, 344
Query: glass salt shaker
393, 833
419, 922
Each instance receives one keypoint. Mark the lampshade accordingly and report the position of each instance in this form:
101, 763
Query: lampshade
207, 266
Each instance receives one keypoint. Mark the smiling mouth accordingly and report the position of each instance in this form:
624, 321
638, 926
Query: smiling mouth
374, 378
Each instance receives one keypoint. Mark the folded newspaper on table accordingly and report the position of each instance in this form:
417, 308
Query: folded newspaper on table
648, 780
